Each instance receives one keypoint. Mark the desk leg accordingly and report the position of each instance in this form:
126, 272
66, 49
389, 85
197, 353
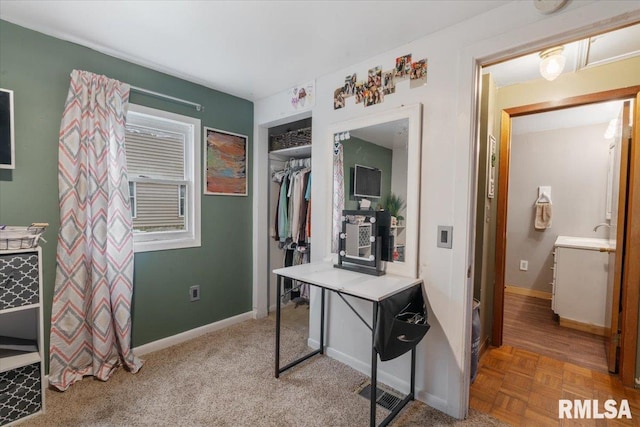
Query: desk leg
412, 392
322, 322
374, 368
278, 369
278, 303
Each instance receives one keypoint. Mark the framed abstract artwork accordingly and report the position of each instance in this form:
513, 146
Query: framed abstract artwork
225, 163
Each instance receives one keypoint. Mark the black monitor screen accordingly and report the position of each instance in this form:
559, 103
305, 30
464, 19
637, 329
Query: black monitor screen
366, 181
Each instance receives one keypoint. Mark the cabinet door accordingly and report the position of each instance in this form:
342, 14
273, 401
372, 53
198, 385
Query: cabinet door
581, 285
19, 277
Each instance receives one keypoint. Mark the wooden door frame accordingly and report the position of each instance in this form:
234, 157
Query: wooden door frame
631, 281
615, 274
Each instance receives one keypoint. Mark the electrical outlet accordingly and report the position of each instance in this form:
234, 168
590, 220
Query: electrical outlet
524, 265
194, 293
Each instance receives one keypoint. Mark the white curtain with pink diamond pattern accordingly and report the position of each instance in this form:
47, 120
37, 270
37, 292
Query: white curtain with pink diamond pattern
338, 193
91, 315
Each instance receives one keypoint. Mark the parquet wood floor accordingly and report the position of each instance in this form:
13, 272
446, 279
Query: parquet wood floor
522, 387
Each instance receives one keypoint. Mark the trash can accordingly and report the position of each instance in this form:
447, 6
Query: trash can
401, 323
475, 339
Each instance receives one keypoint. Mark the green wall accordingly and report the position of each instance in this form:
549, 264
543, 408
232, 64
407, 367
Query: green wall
356, 150
37, 68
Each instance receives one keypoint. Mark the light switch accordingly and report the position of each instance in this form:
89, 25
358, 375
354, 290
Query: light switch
445, 236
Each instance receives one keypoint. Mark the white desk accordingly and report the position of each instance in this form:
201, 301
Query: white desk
359, 285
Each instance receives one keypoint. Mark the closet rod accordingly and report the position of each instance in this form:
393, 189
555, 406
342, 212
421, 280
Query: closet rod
198, 107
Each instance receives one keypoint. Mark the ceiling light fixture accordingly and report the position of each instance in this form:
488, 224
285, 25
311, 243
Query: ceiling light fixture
552, 62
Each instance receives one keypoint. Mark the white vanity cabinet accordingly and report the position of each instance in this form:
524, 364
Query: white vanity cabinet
580, 281
21, 335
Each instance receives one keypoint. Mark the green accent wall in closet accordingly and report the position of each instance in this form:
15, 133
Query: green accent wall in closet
37, 67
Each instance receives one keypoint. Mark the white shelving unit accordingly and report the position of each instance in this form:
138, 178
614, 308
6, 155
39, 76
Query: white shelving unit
21, 372
360, 247
399, 242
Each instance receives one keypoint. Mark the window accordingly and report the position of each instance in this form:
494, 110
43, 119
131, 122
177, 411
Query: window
181, 200
132, 198
163, 159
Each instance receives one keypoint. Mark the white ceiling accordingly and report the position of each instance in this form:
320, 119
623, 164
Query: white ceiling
597, 50
251, 49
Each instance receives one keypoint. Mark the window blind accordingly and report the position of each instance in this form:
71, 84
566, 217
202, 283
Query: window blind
154, 154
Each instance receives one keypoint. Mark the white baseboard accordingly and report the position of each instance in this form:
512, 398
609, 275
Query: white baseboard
182, 337
191, 334
434, 401
383, 377
259, 314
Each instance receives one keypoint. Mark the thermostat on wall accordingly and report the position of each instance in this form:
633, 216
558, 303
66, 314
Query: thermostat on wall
445, 236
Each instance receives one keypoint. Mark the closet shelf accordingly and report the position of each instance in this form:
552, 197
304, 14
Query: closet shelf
293, 138
291, 152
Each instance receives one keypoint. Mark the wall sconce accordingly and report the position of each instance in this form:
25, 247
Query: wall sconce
552, 62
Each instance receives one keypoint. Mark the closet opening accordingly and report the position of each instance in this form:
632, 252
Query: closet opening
289, 208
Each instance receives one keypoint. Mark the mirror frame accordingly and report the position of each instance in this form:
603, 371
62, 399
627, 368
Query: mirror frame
413, 113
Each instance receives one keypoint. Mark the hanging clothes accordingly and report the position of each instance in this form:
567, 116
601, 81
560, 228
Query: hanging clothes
307, 197
292, 209
283, 210
292, 222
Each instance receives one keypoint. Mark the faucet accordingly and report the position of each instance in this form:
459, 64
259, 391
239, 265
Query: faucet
602, 224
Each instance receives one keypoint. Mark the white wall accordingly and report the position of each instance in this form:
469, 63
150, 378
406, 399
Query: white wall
447, 180
574, 162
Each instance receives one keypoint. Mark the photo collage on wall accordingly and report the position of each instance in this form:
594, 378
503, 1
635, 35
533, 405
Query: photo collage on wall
380, 83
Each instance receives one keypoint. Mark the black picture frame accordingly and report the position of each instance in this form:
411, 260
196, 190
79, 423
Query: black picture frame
7, 130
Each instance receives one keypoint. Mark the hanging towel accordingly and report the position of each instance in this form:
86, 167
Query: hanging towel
543, 216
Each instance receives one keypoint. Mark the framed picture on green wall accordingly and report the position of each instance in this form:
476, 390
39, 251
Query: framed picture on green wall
225, 163
7, 139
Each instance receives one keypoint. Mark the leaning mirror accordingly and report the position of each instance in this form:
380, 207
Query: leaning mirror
376, 166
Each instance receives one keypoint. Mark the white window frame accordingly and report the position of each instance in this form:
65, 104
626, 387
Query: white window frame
191, 127
132, 199
182, 199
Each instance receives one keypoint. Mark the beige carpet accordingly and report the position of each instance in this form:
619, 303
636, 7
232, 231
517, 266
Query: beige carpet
226, 378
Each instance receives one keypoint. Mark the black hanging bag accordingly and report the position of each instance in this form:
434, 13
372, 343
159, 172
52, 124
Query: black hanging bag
401, 323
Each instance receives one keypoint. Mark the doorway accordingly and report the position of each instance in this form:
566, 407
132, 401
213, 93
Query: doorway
625, 250
556, 269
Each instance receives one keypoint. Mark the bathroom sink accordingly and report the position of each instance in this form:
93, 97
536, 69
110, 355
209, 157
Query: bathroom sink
589, 243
